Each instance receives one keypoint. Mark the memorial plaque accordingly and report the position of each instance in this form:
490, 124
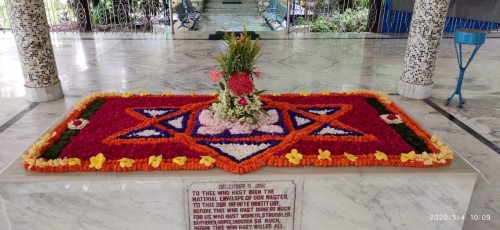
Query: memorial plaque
241, 205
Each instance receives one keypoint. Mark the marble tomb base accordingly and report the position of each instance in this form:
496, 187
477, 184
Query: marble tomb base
324, 198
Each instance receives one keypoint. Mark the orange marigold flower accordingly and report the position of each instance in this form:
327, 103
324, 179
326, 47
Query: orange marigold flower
240, 84
215, 75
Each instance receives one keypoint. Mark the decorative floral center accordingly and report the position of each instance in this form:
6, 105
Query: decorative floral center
213, 124
240, 84
243, 101
391, 118
78, 123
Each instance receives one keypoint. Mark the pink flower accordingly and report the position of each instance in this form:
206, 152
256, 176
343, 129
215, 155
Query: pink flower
258, 74
77, 122
215, 75
242, 101
240, 84
392, 117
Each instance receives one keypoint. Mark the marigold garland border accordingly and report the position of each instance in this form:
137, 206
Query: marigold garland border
440, 154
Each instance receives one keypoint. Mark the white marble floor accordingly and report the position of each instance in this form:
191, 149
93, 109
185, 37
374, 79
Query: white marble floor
157, 63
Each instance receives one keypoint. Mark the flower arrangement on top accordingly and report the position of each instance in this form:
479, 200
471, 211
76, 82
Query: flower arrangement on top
238, 99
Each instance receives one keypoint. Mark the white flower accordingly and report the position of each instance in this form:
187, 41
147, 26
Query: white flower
212, 124
78, 124
391, 118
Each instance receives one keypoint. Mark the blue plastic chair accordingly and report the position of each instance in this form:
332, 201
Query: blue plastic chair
466, 37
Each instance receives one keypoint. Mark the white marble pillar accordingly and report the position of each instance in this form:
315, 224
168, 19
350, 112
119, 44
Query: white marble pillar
426, 30
31, 31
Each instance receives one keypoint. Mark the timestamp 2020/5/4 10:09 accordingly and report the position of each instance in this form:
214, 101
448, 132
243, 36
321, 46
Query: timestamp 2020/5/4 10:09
444, 217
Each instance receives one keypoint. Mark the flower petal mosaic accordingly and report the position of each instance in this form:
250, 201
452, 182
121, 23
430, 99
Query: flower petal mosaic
127, 132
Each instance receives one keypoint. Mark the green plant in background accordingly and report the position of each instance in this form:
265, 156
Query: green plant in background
363, 3
102, 13
4, 18
300, 21
321, 24
353, 19
57, 11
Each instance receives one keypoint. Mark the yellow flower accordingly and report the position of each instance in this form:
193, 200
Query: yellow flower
30, 155
325, 92
408, 156
441, 158
127, 94
126, 162
350, 157
40, 162
428, 161
446, 152
63, 161
194, 93
31, 162
434, 138
166, 93
74, 161
294, 157
276, 94
324, 155
380, 156
181, 160
214, 93
143, 93
155, 161
97, 161
304, 93
207, 160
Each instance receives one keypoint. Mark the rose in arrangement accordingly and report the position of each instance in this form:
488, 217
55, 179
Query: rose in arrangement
238, 99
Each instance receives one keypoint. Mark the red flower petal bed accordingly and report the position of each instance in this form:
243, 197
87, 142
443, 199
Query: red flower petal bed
126, 132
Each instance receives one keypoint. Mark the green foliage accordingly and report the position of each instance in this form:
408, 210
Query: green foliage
54, 151
321, 24
363, 3
4, 18
57, 11
341, 4
103, 13
406, 133
300, 21
348, 21
240, 55
96, 105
